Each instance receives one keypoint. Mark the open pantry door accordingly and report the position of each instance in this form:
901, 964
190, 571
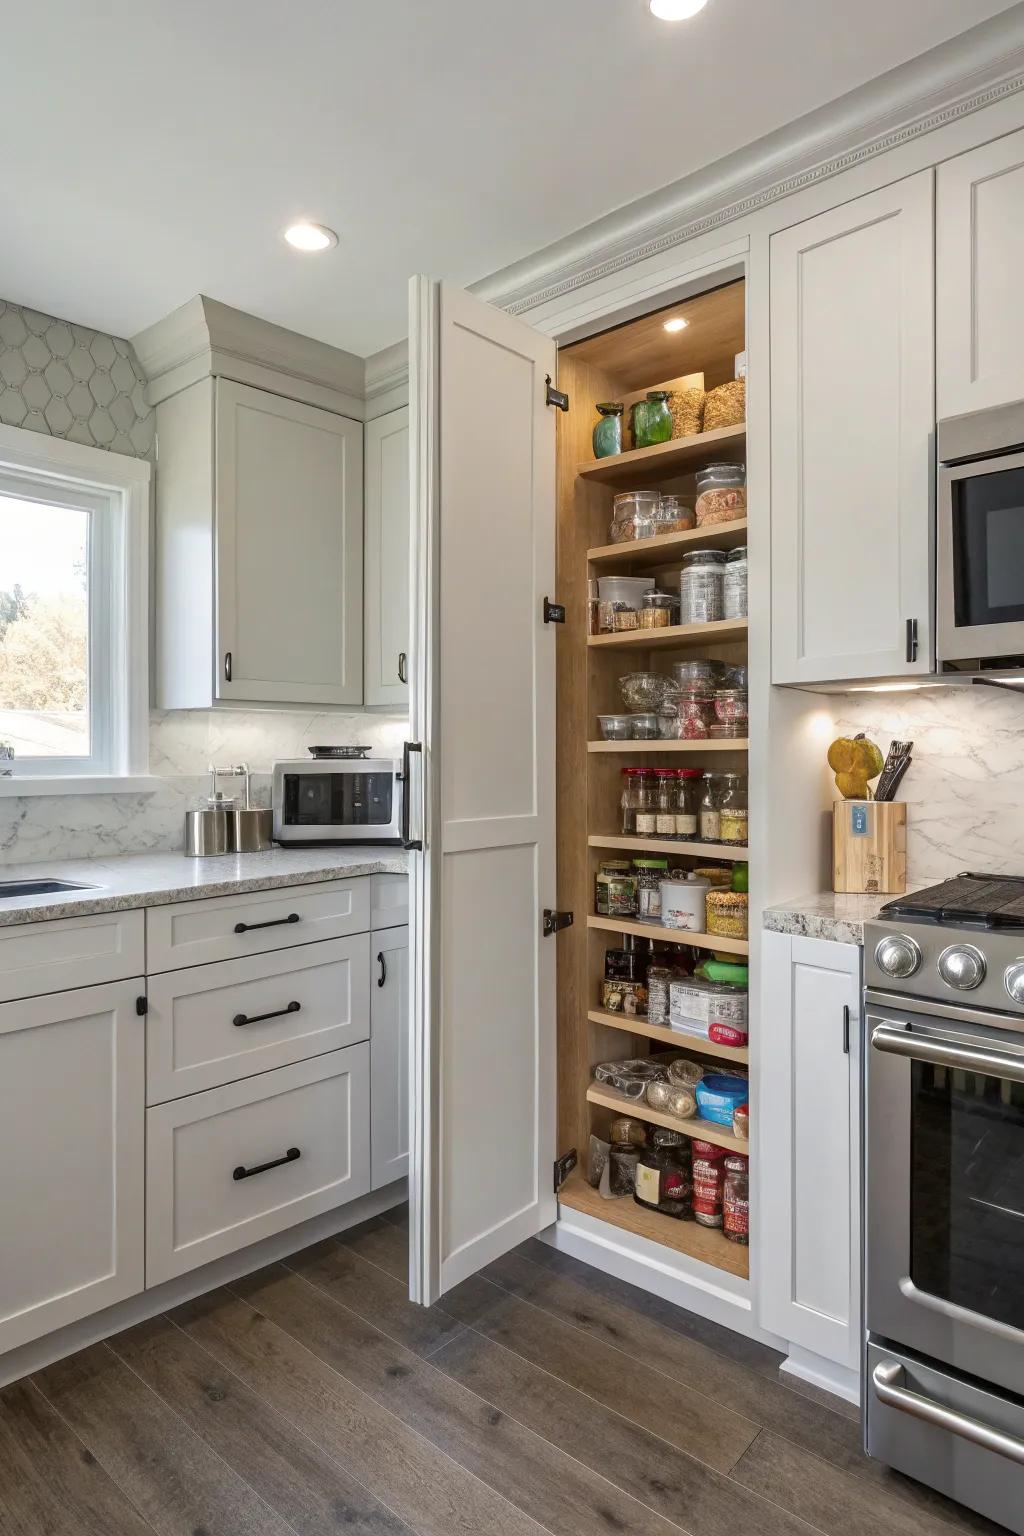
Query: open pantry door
482, 708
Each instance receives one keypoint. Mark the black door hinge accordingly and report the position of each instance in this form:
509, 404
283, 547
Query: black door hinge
555, 396
563, 1167
554, 922
142, 1006
554, 613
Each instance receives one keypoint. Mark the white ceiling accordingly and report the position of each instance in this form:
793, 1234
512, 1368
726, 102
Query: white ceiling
152, 151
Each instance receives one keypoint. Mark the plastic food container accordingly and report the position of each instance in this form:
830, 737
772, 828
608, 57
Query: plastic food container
643, 726
697, 1006
631, 1077
683, 904
643, 690
614, 727
718, 1097
696, 673
618, 596
633, 515
721, 494
731, 706
727, 913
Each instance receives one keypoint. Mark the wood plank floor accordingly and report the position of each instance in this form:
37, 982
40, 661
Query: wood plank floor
311, 1398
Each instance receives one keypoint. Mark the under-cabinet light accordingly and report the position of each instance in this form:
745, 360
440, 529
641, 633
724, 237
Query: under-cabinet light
310, 237
676, 10
678, 324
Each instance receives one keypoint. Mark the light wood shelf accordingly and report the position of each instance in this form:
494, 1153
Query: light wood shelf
702, 1130
706, 1244
676, 457
711, 941
671, 845
672, 637
733, 744
738, 1054
663, 549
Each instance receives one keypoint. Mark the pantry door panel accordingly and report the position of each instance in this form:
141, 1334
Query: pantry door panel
483, 706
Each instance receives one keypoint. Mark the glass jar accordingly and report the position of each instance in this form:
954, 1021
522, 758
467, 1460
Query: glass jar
731, 707
646, 793
732, 809
651, 419
689, 790
701, 586
663, 1178
665, 822
721, 494
649, 875
608, 429
710, 816
615, 889
622, 1161
659, 995
628, 801
734, 597
674, 515
656, 610
694, 710
735, 1199
633, 514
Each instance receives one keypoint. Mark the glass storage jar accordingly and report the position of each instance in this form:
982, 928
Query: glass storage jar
663, 1178
694, 710
651, 419
736, 1199
674, 515
710, 815
608, 429
649, 875
659, 994
689, 783
734, 597
721, 494
656, 610
732, 809
731, 707
701, 586
646, 802
630, 801
629, 509
665, 816
615, 889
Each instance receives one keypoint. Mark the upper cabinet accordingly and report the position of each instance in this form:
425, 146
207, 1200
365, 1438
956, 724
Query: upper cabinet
386, 560
852, 418
980, 254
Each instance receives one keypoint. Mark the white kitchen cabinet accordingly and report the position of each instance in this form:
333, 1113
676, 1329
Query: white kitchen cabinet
979, 249
386, 560
852, 421
72, 1148
809, 1145
389, 1057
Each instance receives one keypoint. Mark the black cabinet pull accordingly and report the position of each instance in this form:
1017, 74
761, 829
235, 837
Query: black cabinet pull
275, 922
382, 978
846, 1029
402, 677
258, 1018
250, 1173
911, 640
408, 747
227, 666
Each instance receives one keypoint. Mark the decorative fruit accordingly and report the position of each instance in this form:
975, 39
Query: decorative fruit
852, 786
854, 760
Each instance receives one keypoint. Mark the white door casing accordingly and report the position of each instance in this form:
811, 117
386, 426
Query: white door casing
483, 700
386, 559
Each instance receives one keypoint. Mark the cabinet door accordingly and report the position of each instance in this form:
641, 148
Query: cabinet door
389, 1057
979, 248
482, 705
289, 482
852, 404
810, 1145
72, 1149
387, 559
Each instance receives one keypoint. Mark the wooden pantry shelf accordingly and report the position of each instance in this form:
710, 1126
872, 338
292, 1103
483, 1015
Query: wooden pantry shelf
638, 553
678, 1037
677, 845
732, 744
702, 1130
672, 637
712, 941
706, 1244
677, 457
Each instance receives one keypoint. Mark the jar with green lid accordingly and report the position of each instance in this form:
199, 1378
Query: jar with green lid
615, 889
651, 419
608, 429
649, 875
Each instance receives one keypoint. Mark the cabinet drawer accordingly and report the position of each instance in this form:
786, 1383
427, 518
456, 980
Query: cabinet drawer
389, 901
70, 952
229, 927
197, 1209
213, 1024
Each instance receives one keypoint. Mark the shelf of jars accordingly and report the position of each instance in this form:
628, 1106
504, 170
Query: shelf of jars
705, 1244
702, 744
673, 636
679, 456
634, 1024
695, 1127
716, 942
662, 549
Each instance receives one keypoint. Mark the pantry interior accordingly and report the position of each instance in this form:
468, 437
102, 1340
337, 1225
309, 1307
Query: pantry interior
622, 365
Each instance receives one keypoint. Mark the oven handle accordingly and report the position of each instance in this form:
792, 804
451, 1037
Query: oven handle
944, 1053
886, 1378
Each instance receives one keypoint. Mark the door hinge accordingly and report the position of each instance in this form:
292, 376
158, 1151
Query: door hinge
554, 922
556, 397
554, 613
564, 1166
142, 1006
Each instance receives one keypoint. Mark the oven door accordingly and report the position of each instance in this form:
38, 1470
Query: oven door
980, 559
945, 1188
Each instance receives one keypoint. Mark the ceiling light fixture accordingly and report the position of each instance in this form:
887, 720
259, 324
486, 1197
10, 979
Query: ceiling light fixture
676, 10
678, 324
310, 237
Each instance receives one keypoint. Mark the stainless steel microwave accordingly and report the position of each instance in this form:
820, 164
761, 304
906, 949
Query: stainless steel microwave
332, 798
980, 542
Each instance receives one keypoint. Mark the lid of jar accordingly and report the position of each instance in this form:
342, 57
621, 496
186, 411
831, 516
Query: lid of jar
610, 407
723, 469
666, 773
658, 394
703, 557
690, 773
663, 1137
659, 600
614, 866
736, 1163
730, 693
739, 553
650, 863
735, 779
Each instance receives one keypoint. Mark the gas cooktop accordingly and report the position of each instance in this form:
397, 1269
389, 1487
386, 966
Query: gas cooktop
968, 900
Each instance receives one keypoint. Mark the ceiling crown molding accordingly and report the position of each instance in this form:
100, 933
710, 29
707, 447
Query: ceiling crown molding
387, 370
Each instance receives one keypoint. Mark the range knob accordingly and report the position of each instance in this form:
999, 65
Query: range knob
1013, 981
898, 955
963, 967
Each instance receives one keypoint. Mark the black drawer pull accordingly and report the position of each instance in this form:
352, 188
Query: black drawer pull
257, 1018
275, 922
249, 1173
382, 978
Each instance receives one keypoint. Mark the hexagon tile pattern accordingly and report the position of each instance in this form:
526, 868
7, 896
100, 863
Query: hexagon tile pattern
71, 382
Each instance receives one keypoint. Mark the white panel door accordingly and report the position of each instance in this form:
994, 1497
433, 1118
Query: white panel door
979, 250
852, 403
389, 1057
810, 1145
386, 560
483, 698
289, 488
72, 1149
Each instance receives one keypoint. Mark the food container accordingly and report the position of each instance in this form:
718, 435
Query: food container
630, 1077
708, 1182
698, 674
697, 1006
732, 809
710, 816
684, 1072
624, 965
607, 436
717, 876
618, 597
627, 509
643, 690
657, 610
728, 1034
734, 596
736, 1199
687, 408
639, 802
674, 516
614, 727
649, 876
626, 997
672, 1099
651, 419
726, 406
688, 792
615, 889
701, 586
622, 1163
664, 1175
694, 713
719, 732
643, 726
727, 913
628, 1132
721, 494
683, 904
741, 1121
659, 985
731, 706
717, 1097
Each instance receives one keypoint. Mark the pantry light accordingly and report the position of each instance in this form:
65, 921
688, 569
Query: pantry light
676, 10
678, 324
892, 687
310, 237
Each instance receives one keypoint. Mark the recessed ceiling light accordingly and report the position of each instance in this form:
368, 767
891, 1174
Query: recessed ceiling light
676, 10
310, 237
678, 324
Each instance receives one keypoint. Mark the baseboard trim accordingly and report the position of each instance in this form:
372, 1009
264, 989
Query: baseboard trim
837, 1379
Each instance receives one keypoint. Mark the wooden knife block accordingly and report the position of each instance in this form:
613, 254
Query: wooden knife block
869, 847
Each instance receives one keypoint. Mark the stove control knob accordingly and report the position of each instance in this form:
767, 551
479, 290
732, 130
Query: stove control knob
963, 967
1013, 981
898, 955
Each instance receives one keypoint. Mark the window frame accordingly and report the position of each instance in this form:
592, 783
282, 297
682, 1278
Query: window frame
115, 490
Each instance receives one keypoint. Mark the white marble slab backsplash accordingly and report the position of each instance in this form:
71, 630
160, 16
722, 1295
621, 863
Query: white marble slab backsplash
182, 744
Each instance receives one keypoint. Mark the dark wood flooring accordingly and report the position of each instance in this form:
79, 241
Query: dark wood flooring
312, 1398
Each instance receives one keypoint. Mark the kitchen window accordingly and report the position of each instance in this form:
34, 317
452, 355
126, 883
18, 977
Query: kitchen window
74, 585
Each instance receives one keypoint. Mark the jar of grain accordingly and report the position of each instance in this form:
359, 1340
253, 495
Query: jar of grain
656, 610
727, 914
687, 407
701, 586
726, 406
721, 494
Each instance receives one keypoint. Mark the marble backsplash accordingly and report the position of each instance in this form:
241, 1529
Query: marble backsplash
182, 744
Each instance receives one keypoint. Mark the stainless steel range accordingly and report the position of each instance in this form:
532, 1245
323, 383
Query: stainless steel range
944, 1221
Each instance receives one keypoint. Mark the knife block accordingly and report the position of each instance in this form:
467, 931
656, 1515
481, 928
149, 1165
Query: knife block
869, 847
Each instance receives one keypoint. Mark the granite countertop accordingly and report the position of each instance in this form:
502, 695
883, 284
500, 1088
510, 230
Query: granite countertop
825, 916
152, 879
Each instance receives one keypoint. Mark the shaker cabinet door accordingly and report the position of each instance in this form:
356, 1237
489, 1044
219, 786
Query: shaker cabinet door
386, 560
852, 404
289, 491
389, 1056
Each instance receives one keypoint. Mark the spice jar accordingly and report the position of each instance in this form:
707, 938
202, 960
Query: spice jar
732, 809
665, 816
663, 1178
701, 586
608, 430
721, 494
735, 1199
615, 889
734, 596
656, 610
651, 419
689, 789
710, 817
708, 1183
649, 875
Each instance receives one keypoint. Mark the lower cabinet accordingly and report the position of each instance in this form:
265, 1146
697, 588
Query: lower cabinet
389, 1057
72, 1149
810, 1145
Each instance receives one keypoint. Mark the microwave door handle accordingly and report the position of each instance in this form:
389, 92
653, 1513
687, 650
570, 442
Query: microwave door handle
408, 748
887, 1379
946, 1053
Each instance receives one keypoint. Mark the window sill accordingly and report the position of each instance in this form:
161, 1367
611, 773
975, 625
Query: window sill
79, 784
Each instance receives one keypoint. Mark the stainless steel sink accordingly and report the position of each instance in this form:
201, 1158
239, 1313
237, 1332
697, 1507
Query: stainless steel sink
41, 887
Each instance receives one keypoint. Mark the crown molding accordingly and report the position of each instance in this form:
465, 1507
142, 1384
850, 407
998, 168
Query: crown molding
386, 370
